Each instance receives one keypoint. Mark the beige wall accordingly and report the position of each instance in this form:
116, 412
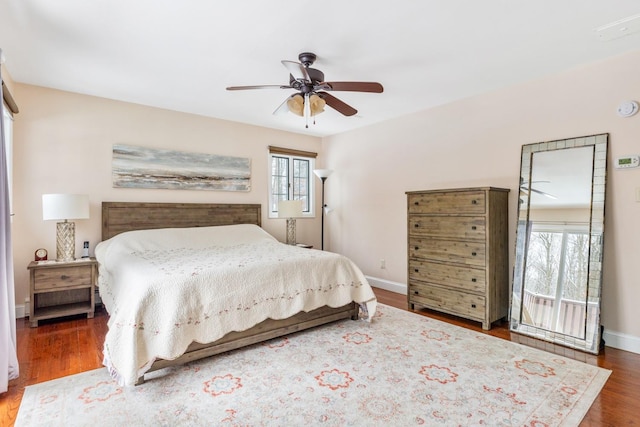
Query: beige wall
560, 215
63, 144
477, 142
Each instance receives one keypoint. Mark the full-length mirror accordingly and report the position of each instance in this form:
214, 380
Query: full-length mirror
557, 277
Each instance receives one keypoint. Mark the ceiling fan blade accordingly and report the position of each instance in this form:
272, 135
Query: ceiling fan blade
297, 70
551, 196
259, 87
337, 105
283, 108
355, 86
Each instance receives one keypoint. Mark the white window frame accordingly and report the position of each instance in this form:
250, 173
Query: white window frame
273, 213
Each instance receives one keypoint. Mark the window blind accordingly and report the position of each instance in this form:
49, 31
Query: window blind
291, 152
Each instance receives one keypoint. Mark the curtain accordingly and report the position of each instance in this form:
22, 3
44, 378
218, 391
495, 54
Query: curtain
8, 355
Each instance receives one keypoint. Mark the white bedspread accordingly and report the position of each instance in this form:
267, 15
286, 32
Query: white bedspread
166, 288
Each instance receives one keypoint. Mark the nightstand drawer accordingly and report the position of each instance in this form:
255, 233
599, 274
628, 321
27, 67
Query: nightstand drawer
63, 278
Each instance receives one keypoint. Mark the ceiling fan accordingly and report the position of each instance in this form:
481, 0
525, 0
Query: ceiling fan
313, 92
525, 188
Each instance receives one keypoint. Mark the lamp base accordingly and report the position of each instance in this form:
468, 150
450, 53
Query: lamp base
65, 241
291, 231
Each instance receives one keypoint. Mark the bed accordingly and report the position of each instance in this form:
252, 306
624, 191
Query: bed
264, 289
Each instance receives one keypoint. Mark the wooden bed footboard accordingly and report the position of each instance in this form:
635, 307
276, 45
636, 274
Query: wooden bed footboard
264, 331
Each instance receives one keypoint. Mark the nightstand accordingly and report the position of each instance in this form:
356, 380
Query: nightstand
60, 289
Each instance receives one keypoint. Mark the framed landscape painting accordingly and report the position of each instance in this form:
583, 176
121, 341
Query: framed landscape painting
141, 167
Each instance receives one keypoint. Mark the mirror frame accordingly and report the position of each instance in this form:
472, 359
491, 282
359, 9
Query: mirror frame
593, 336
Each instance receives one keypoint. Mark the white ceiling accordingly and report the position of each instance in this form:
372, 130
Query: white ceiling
182, 54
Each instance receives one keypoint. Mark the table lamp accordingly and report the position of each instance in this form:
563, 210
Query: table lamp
65, 207
290, 209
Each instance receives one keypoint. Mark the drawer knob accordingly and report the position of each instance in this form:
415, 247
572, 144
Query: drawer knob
473, 227
473, 253
64, 277
415, 292
474, 202
474, 280
416, 270
416, 248
473, 306
416, 225
416, 203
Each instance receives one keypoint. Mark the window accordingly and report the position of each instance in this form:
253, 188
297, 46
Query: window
557, 271
291, 178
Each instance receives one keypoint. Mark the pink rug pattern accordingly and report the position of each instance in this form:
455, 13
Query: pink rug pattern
402, 369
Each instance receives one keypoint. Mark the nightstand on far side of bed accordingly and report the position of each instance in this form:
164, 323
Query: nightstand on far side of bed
60, 289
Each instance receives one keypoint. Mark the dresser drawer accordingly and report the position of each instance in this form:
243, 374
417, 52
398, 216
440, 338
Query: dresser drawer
464, 202
455, 227
463, 278
448, 300
62, 278
459, 252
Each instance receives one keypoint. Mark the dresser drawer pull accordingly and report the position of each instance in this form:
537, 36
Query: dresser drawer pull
416, 203
415, 292
474, 202
474, 280
473, 254
416, 248
473, 227
416, 270
473, 306
416, 225
64, 277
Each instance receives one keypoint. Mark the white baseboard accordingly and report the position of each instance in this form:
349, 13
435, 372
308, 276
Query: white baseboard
612, 339
399, 288
621, 341
22, 310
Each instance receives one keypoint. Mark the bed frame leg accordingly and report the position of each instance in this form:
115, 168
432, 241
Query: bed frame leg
355, 313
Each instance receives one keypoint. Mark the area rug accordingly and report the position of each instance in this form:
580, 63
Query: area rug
401, 369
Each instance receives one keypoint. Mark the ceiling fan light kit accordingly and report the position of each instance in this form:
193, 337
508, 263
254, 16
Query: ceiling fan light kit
313, 92
296, 104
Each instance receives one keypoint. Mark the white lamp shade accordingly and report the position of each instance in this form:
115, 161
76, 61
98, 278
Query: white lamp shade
65, 206
322, 173
289, 208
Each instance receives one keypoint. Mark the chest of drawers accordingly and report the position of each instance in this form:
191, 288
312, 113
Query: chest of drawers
458, 252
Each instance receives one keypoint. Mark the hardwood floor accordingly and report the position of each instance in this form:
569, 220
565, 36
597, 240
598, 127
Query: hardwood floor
60, 348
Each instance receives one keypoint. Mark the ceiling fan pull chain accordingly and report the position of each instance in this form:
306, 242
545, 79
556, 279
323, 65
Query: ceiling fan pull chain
307, 110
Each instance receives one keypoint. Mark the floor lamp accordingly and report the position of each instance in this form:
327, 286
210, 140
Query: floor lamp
323, 174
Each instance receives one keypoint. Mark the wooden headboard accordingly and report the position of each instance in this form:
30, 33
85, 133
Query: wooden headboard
118, 217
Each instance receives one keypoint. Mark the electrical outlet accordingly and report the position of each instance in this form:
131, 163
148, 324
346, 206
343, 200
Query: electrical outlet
383, 264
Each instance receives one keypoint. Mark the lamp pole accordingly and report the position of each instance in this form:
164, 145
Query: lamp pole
323, 174
324, 178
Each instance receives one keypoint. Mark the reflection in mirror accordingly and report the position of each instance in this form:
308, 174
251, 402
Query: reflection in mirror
557, 273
